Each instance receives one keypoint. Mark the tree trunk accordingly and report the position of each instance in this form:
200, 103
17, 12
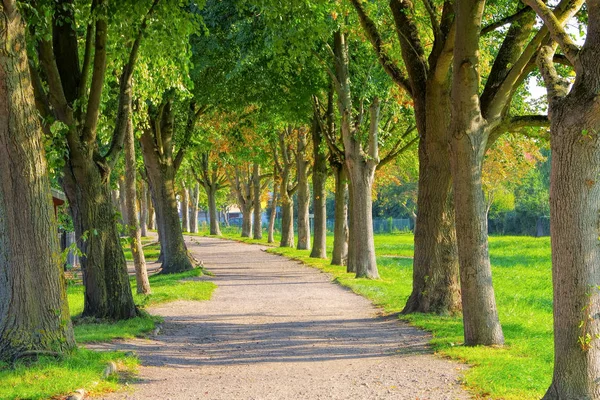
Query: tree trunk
211, 193
302, 166
123, 203
247, 220
185, 211
435, 264
271, 238
319, 178
257, 228
436, 287
480, 317
133, 224
161, 176
351, 231
362, 258
107, 290
144, 209
467, 148
287, 219
574, 211
151, 211
340, 230
34, 315
114, 197
194, 209
361, 164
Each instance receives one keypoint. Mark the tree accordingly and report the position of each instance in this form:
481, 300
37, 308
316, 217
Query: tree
162, 163
427, 82
75, 101
478, 119
319, 178
133, 221
241, 184
339, 255
34, 315
210, 174
259, 184
574, 202
302, 172
284, 163
361, 155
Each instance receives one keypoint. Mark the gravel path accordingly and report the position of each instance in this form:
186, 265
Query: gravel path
276, 329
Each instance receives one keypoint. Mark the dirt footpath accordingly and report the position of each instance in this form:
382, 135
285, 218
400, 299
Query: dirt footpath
276, 329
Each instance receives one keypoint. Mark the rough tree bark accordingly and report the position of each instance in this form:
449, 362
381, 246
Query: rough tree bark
319, 178
302, 172
574, 205
34, 315
133, 223
434, 283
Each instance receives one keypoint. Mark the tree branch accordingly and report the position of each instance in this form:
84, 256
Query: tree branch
87, 53
435, 25
556, 86
390, 67
56, 93
504, 21
98, 73
563, 11
188, 135
374, 131
396, 150
126, 93
410, 44
555, 27
516, 124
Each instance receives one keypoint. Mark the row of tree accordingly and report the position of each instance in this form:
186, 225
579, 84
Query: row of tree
249, 86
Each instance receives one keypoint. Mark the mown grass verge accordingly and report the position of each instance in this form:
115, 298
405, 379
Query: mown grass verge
521, 268
50, 378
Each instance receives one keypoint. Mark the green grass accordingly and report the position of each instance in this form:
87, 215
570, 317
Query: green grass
150, 246
49, 377
521, 270
165, 288
233, 233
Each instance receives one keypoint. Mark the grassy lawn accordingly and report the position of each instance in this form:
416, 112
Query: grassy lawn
522, 280
151, 249
50, 377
